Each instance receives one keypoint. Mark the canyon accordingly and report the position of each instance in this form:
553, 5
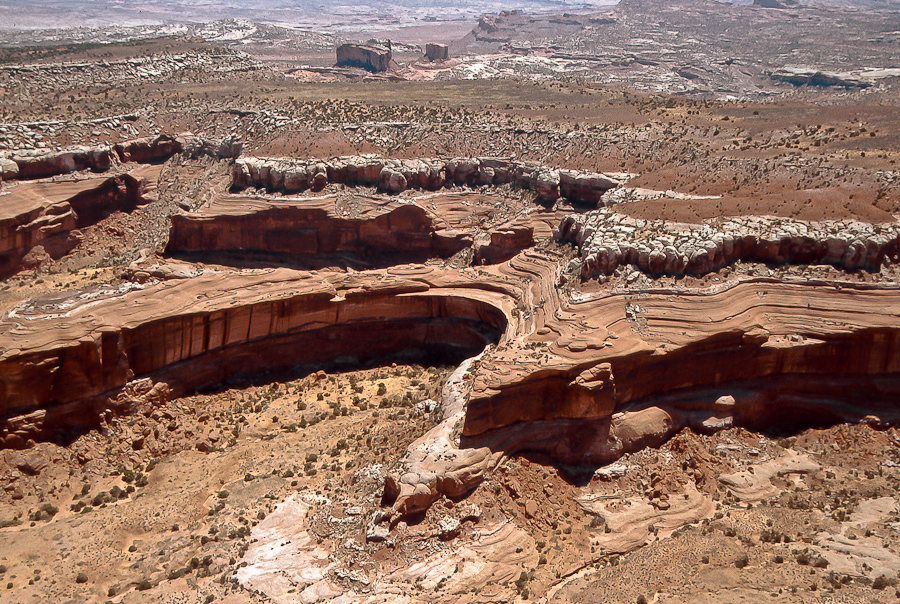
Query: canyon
508, 326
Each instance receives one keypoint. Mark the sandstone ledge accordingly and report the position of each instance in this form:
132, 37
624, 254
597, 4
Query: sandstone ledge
44, 163
396, 175
608, 240
43, 218
583, 379
369, 230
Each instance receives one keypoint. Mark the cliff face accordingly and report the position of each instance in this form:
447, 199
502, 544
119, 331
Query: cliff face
682, 353
305, 228
200, 332
371, 58
645, 367
437, 52
47, 215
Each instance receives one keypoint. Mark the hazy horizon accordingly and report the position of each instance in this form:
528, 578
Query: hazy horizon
343, 14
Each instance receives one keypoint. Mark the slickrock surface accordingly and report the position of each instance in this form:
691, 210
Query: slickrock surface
755, 483
607, 240
629, 369
394, 175
632, 522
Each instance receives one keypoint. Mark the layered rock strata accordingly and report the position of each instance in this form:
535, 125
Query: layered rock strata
396, 175
582, 379
369, 230
371, 57
311, 227
607, 240
589, 383
65, 359
40, 163
43, 218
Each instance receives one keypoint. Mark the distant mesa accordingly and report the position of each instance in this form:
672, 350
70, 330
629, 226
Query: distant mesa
374, 55
807, 76
437, 52
776, 3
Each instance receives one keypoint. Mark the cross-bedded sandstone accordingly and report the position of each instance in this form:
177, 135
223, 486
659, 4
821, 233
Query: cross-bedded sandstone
627, 368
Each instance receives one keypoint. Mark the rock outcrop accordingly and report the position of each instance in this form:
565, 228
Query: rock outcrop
396, 175
47, 215
310, 227
36, 164
149, 149
42, 164
589, 383
782, 4
804, 76
437, 52
371, 57
64, 360
608, 240
9, 169
583, 380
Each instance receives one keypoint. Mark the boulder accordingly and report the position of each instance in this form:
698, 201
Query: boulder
9, 169
584, 188
448, 527
547, 185
149, 149
391, 181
